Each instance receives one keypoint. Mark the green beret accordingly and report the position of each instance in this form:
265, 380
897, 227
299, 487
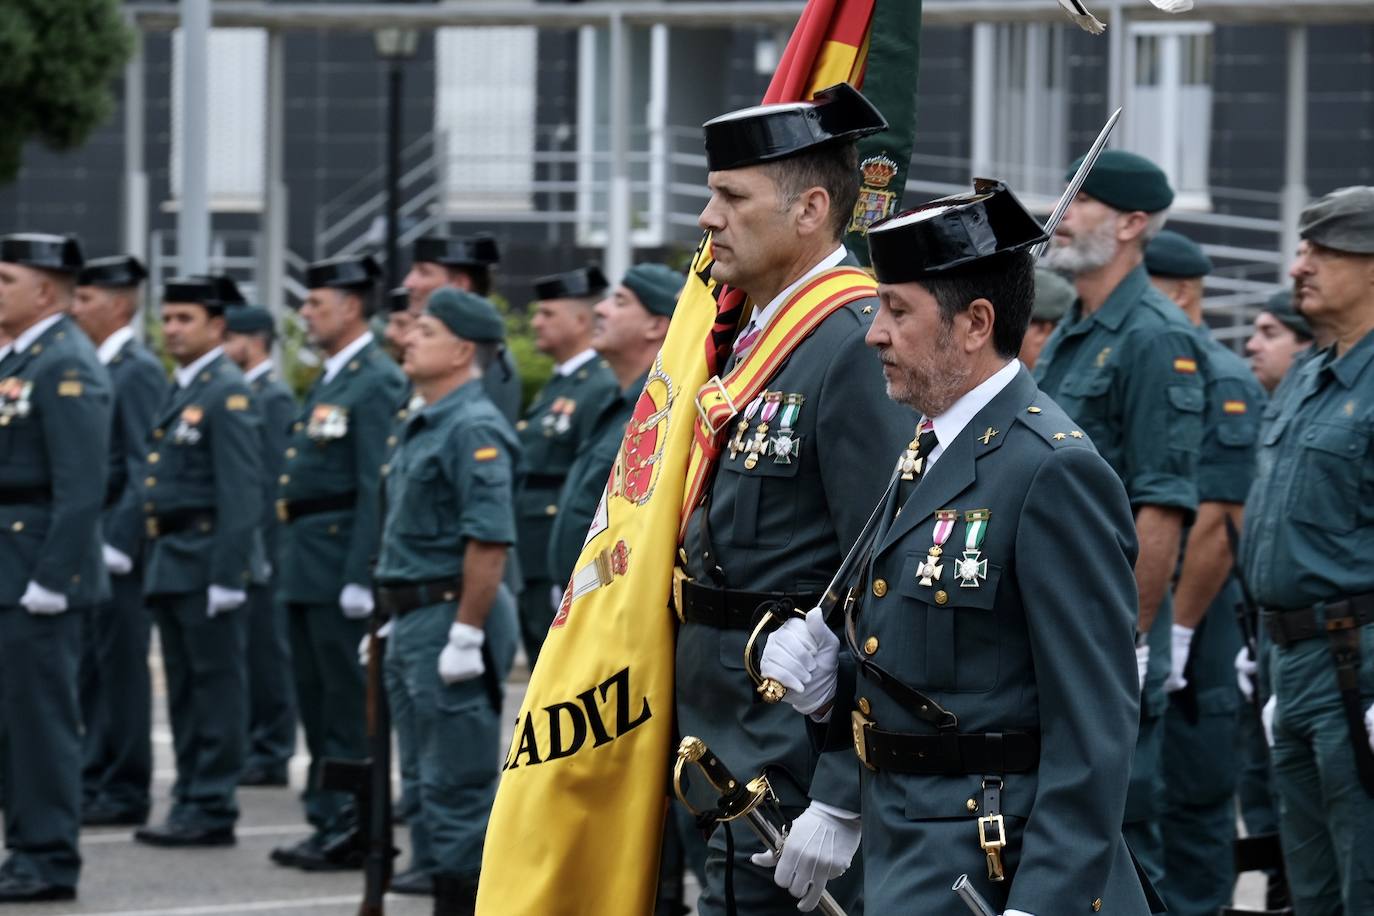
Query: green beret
1280, 305
248, 319
468, 315
1172, 254
1342, 220
656, 286
1127, 182
1053, 296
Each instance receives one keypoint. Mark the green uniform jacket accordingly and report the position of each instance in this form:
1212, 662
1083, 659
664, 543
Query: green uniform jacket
553, 430
1043, 642
205, 454
786, 526
140, 388
503, 387
337, 446
277, 407
1309, 521
55, 411
586, 481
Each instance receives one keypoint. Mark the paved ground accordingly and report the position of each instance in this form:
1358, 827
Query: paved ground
123, 878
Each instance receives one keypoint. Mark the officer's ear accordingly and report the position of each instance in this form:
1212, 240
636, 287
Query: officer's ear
981, 317
1131, 226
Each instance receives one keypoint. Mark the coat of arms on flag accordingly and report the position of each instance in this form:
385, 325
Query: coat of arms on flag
875, 200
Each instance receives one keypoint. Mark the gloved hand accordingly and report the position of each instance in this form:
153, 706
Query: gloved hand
38, 600
1267, 720
1247, 669
819, 846
355, 601
220, 599
461, 659
1142, 662
365, 647
1182, 642
1369, 725
803, 656
1016, 913
116, 561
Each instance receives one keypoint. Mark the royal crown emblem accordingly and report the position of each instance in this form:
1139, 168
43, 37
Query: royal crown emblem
878, 171
875, 201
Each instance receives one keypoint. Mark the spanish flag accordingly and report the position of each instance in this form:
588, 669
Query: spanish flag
578, 819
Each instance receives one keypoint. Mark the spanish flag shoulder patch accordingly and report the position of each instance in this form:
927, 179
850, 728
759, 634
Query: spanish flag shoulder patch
1234, 407
486, 453
1185, 365
237, 402
69, 389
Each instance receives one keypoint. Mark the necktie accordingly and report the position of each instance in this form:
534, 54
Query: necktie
914, 460
745, 342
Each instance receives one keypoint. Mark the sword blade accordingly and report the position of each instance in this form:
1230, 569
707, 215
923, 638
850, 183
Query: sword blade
1075, 184
856, 553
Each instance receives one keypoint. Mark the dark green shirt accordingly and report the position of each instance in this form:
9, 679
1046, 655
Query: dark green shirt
1235, 403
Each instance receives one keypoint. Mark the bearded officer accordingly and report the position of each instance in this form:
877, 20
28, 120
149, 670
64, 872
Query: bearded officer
55, 413
328, 502
1309, 533
786, 502
1199, 758
116, 690
996, 698
271, 696
202, 502
464, 263
553, 429
1127, 366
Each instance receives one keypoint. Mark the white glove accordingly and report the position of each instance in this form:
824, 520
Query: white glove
38, 600
1142, 662
116, 561
220, 599
1247, 669
1182, 642
819, 846
1267, 720
803, 656
365, 647
1369, 725
355, 601
461, 659
1016, 913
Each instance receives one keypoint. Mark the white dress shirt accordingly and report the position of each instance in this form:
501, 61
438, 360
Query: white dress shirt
571, 365
110, 346
258, 371
333, 364
951, 423
186, 374
35, 331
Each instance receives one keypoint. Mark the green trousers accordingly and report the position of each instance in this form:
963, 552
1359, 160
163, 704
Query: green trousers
1145, 794
331, 694
271, 695
536, 613
40, 717
1325, 816
408, 758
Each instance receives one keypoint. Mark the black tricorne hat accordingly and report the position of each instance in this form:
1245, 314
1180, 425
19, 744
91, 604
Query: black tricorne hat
765, 133
57, 253
226, 289
462, 251
352, 272
398, 300
122, 271
195, 290
574, 284
951, 232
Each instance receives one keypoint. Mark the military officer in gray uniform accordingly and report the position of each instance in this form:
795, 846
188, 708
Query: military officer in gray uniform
462, 263
995, 698
1128, 367
327, 499
775, 523
116, 691
557, 423
1309, 533
201, 501
449, 524
271, 695
55, 414
1200, 758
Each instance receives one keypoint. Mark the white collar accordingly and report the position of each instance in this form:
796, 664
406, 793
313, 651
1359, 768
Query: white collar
764, 315
569, 366
333, 364
109, 348
186, 374
35, 331
6, 350
258, 371
951, 423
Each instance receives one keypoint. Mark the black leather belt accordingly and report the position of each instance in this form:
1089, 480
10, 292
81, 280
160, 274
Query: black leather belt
396, 599
728, 609
288, 510
164, 523
543, 481
25, 496
1288, 627
946, 754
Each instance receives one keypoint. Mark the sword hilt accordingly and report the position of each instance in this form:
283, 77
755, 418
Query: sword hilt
769, 688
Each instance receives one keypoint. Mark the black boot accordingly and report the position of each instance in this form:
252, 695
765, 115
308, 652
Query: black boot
455, 895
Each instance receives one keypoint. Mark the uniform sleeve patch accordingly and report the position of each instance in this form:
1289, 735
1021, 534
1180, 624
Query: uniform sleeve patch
69, 389
1234, 407
486, 453
1186, 366
237, 402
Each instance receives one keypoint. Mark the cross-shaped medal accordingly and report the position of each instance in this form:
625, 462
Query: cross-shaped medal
971, 569
932, 568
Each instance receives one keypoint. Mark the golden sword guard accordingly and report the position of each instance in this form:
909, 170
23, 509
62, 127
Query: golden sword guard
768, 688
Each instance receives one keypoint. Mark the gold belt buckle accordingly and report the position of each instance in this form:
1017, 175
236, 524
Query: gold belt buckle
282, 514
150, 526
679, 577
992, 848
701, 411
861, 724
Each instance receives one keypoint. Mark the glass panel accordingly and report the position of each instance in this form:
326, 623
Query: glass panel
1147, 62
238, 109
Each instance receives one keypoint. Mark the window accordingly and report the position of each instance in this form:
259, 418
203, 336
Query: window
1169, 109
238, 129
